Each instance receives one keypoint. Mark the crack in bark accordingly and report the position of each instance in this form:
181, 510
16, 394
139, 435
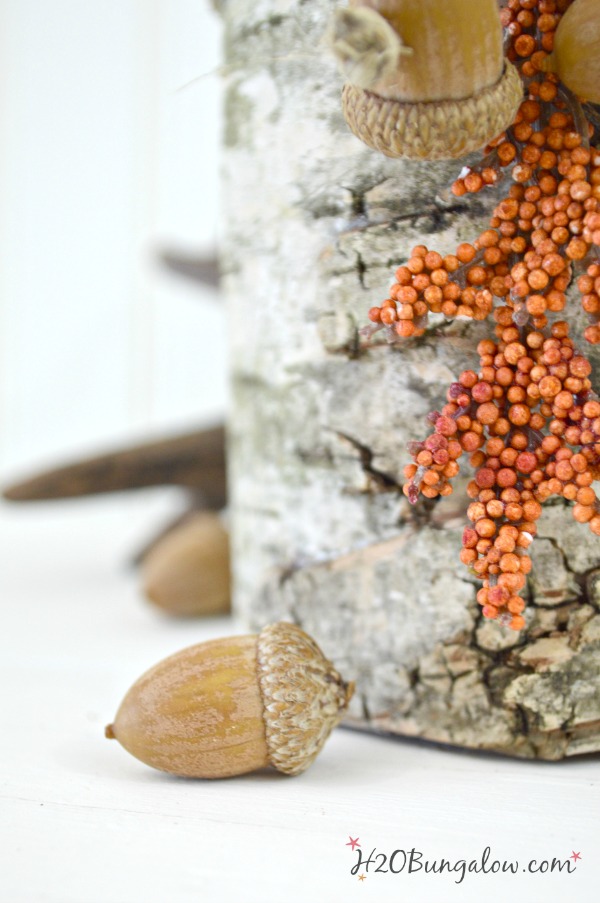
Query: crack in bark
521, 715
361, 269
383, 481
579, 579
365, 707
438, 215
593, 574
554, 542
358, 204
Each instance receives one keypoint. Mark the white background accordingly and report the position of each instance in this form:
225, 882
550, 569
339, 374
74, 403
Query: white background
107, 156
103, 161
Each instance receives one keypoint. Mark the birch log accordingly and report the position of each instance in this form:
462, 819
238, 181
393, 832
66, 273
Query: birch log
315, 224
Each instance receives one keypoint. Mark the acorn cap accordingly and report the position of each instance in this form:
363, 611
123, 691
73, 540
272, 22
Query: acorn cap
435, 130
304, 697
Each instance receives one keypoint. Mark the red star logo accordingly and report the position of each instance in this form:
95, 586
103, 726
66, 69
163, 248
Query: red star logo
353, 843
575, 856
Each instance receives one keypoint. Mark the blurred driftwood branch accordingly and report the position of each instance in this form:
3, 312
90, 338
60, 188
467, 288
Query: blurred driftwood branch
194, 460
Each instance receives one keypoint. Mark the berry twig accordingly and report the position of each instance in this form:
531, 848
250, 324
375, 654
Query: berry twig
529, 419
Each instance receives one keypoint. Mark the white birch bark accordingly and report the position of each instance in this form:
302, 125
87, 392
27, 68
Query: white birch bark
315, 224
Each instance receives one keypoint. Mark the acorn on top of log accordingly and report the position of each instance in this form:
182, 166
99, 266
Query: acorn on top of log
427, 79
575, 57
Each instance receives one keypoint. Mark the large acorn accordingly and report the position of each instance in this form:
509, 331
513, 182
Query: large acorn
234, 705
427, 79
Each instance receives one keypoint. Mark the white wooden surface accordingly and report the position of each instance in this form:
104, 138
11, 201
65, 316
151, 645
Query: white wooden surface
82, 822
105, 160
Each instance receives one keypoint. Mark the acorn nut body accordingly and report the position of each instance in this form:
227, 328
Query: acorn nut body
576, 54
186, 573
234, 705
433, 83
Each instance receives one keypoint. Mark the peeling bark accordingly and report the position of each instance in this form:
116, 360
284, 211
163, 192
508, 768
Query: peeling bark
315, 225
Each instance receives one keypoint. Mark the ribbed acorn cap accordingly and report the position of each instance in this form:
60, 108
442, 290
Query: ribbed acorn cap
304, 697
433, 131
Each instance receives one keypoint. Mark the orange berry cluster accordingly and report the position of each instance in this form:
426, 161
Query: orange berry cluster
528, 420
548, 222
550, 218
517, 419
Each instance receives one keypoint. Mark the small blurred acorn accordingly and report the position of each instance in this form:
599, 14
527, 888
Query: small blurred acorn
186, 572
576, 54
234, 705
